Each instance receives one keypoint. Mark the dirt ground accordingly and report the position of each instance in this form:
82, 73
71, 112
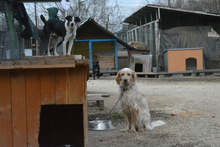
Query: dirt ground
189, 106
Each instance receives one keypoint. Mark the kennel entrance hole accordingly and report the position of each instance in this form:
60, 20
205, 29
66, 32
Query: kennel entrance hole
191, 64
61, 126
138, 67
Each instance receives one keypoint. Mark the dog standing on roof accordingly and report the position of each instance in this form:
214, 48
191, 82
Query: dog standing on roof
71, 25
56, 28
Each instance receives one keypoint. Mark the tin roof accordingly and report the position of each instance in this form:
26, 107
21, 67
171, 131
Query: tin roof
147, 10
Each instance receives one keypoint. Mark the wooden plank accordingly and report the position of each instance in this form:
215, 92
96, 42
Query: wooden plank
37, 66
18, 109
85, 111
33, 97
61, 86
41, 62
98, 95
91, 98
48, 86
76, 86
5, 111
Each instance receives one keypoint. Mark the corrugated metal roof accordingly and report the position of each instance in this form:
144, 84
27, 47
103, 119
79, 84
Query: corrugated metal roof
152, 8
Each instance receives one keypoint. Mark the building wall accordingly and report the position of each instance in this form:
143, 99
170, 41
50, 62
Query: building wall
177, 59
106, 62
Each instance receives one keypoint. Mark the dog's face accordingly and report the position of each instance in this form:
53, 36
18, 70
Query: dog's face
125, 77
71, 22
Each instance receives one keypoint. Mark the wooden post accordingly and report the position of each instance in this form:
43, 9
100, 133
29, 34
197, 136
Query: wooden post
159, 13
127, 36
157, 43
136, 35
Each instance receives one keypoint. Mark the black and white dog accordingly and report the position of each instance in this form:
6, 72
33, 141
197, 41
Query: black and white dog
55, 28
71, 26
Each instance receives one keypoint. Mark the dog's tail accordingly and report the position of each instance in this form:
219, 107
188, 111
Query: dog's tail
43, 18
155, 124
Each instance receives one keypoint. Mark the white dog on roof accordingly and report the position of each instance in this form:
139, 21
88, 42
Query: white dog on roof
134, 104
71, 25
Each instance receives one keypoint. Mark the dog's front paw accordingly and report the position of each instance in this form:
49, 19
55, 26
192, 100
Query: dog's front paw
56, 54
141, 130
132, 130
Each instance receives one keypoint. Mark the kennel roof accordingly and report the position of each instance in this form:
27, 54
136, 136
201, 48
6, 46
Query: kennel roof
43, 62
92, 28
171, 17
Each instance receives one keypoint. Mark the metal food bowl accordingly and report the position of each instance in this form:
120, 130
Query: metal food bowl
100, 125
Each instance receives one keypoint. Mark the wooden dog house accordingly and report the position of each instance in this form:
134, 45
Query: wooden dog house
182, 60
43, 102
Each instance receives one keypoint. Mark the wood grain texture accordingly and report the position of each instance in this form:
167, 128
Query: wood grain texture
40, 63
76, 86
24, 91
6, 139
61, 93
48, 86
33, 106
18, 108
85, 113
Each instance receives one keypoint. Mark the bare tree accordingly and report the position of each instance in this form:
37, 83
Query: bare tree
99, 10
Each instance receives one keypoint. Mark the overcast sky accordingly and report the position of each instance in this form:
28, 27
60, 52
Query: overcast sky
130, 6
127, 6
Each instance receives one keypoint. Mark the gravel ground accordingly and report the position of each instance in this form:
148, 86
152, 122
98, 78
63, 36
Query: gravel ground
189, 106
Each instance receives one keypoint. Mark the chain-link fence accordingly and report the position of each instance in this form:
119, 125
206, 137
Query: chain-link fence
3, 36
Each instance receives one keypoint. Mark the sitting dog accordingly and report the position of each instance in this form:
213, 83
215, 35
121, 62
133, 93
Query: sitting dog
55, 28
134, 104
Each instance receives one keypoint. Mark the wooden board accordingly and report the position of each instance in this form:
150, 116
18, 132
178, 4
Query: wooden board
47, 89
85, 111
75, 86
61, 86
18, 108
5, 111
33, 106
41, 62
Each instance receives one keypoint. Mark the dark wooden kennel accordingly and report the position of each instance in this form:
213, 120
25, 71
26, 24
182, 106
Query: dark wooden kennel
43, 102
